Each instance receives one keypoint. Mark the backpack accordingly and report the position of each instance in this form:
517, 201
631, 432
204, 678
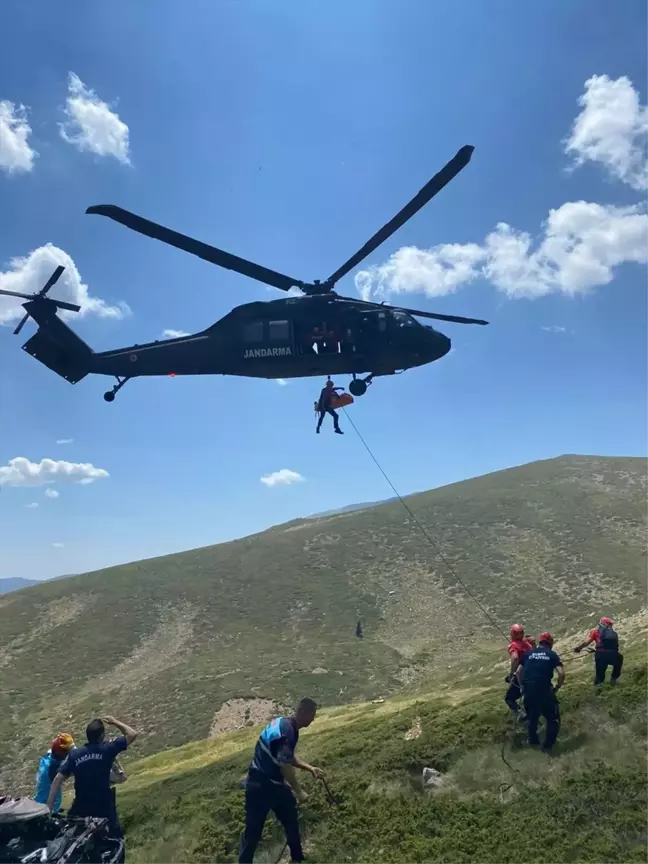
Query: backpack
609, 639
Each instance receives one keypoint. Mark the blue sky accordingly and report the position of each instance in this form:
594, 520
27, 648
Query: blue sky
288, 133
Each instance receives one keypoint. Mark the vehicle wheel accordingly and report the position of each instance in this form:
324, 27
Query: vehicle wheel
357, 387
109, 396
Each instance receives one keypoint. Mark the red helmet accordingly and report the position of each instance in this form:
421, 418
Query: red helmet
517, 631
606, 622
546, 637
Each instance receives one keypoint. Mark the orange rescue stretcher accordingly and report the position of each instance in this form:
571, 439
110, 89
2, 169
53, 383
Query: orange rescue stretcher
340, 401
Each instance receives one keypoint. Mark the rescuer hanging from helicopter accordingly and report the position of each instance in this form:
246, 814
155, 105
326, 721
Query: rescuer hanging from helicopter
325, 406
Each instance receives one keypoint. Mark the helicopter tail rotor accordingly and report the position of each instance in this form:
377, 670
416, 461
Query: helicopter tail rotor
41, 297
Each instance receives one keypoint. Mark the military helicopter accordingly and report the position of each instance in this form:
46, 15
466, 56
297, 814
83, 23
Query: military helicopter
316, 333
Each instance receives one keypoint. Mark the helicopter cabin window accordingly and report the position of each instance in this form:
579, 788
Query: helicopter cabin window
253, 331
278, 331
402, 319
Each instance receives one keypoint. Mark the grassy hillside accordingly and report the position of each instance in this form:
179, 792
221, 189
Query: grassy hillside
168, 642
587, 802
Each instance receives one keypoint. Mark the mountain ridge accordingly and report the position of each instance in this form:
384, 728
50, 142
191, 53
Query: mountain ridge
167, 642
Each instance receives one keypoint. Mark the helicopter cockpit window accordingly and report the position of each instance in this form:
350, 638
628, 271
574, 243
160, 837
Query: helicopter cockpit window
278, 331
402, 319
253, 331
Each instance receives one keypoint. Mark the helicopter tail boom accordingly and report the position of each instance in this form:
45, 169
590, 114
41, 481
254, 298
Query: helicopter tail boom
56, 345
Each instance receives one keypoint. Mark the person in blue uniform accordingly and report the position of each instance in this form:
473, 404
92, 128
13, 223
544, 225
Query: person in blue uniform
92, 769
272, 782
535, 676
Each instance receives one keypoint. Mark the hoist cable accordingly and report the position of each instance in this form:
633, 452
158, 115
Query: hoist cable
426, 534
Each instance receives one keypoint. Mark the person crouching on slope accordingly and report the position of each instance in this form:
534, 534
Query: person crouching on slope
518, 646
48, 768
275, 762
535, 674
607, 651
91, 766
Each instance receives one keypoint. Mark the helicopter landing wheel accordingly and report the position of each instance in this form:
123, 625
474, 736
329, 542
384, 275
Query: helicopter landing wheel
357, 387
109, 395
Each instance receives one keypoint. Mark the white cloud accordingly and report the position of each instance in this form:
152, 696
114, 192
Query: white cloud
58, 545
281, 382
51, 493
91, 125
21, 472
16, 155
437, 271
284, 477
612, 130
65, 440
174, 334
30, 273
31, 506
579, 248
554, 328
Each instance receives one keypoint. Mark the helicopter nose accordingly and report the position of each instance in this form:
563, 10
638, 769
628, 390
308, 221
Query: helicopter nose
443, 344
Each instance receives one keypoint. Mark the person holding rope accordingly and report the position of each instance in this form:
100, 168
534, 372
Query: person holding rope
518, 646
535, 677
606, 643
273, 764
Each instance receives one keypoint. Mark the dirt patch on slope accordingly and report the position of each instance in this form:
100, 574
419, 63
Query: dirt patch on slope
239, 713
56, 613
164, 647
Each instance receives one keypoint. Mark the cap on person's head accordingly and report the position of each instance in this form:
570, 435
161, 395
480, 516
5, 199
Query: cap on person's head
95, 730
546, 637
62, 745
517, 631
606, 622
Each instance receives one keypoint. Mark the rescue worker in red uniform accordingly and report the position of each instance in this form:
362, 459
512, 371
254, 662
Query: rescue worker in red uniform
607, 651
516, 648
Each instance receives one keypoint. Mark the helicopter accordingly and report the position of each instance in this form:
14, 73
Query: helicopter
313, 332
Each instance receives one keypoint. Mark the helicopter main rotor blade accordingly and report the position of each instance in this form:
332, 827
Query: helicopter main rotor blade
195, 247
456, 319
431, 188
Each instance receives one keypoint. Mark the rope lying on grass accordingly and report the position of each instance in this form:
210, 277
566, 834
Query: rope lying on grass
333, 802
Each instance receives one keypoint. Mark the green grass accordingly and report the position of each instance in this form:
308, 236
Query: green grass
165, 642
586, 803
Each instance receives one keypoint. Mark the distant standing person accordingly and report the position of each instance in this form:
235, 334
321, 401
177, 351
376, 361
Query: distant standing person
48, 768
273, 764
607, 651
91, 766
325, 406
535, 675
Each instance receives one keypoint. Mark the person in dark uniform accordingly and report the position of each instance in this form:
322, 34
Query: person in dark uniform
535, 676
324, 406
607, 651
266, 789
91, 766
